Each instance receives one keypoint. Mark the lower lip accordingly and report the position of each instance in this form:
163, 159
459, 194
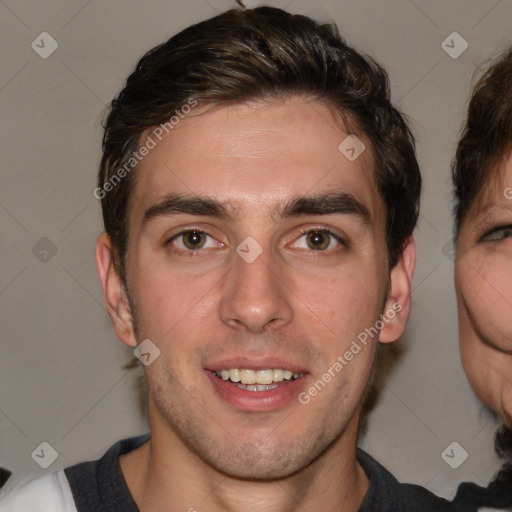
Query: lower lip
255, 401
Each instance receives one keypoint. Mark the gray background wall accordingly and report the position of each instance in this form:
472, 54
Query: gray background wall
61, 376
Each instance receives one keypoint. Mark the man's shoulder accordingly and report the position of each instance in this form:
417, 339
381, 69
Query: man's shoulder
37, 494
86, 486
98, 482
386, 494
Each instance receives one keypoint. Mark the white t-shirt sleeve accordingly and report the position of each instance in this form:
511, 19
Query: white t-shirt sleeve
48, 493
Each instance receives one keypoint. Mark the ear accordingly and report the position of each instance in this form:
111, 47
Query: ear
114, 291
398, 301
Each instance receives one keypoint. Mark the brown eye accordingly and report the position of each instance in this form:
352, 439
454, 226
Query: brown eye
318, 240
193, 242
194, 239
498, 234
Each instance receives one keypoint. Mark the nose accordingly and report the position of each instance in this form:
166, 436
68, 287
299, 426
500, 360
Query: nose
255, 296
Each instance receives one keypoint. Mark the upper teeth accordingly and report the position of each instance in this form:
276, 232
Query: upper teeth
256, 376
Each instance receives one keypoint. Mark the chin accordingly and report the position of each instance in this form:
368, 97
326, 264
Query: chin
257, 474
256, 461
506, 413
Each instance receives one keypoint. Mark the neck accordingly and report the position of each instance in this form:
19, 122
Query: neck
164, 471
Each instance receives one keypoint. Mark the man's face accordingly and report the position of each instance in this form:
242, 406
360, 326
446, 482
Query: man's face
483, 279
211, 304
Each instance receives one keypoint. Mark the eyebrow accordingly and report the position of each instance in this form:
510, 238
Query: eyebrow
332, 203
174, 204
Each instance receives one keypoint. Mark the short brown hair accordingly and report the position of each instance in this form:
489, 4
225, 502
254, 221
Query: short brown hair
262, 53
487, 135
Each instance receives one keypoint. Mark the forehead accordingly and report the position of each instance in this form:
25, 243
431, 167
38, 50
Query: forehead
496, 190
255, 156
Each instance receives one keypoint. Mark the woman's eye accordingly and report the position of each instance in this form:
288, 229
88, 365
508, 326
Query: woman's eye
193, 240
317, 240
498, 234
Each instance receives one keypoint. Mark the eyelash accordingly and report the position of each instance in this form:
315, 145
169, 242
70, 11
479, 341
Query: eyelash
326, 232
192, 252
188, 252
495, 230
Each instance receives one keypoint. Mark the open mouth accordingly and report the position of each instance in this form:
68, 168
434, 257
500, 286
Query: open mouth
257, 380
257, 388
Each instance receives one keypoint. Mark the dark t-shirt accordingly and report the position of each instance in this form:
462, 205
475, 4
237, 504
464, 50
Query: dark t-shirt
473, 498
99, 486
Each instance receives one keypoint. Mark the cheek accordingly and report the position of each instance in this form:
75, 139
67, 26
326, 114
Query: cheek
347, 304
488, 370
172, 303
473, 352
485, 285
